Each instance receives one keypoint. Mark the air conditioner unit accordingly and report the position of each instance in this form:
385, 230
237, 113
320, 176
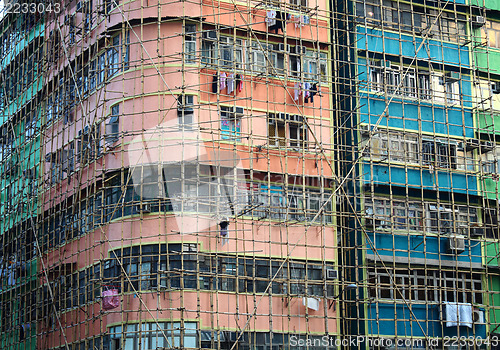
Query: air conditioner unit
295, 118
366, 129
495, 87
478, 21
282, 116
477, 231
477, 316
332, 274
212, 34
456, 244
238, 110
283, 47
487, 146
145, 208
299, 49
472, 144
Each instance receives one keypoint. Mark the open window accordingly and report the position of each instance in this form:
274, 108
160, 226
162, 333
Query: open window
231, 122
89, 143
113, 125
276, 128
190, 42
185, 111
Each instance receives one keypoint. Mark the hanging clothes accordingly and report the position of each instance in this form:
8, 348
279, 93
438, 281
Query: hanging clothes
307, 87
280, 17
230, 83
314, 91
238, 82
240, 85
296, 91
271, 18
224, 232
222, 81
215, 82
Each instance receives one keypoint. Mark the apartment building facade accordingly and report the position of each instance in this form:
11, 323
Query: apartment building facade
187, 196
412, 154
20, 102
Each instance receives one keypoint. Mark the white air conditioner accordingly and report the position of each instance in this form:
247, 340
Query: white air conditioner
332, 274
283, 47
495, 87
145, 208
366, 129
456, 244
478, 21
282, 116
477, 316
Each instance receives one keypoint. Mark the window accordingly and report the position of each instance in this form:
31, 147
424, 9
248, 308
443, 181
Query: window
55, 167
147, 336
89, 143
226, 52
185, 111
190, 42
87, 9
265, 58
277, 130
449, 219
113, 125
72, 30
380, 214
315, 65
113, 195
110, 62
6, 142
113, 56
109, 5
491, 32
307, 63
406, 147
412, 18
68, 158
412, 215
298, 132
231, 122
287, 130
451, 89
426, 285
439, 154
415, 85
175, 266
452, 28
302, 3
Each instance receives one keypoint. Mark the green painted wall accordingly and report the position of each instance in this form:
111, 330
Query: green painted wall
15, 330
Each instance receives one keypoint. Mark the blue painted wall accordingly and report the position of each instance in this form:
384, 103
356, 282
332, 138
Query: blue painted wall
443, 52
413, 246
429, 317
448, 121
421, 178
